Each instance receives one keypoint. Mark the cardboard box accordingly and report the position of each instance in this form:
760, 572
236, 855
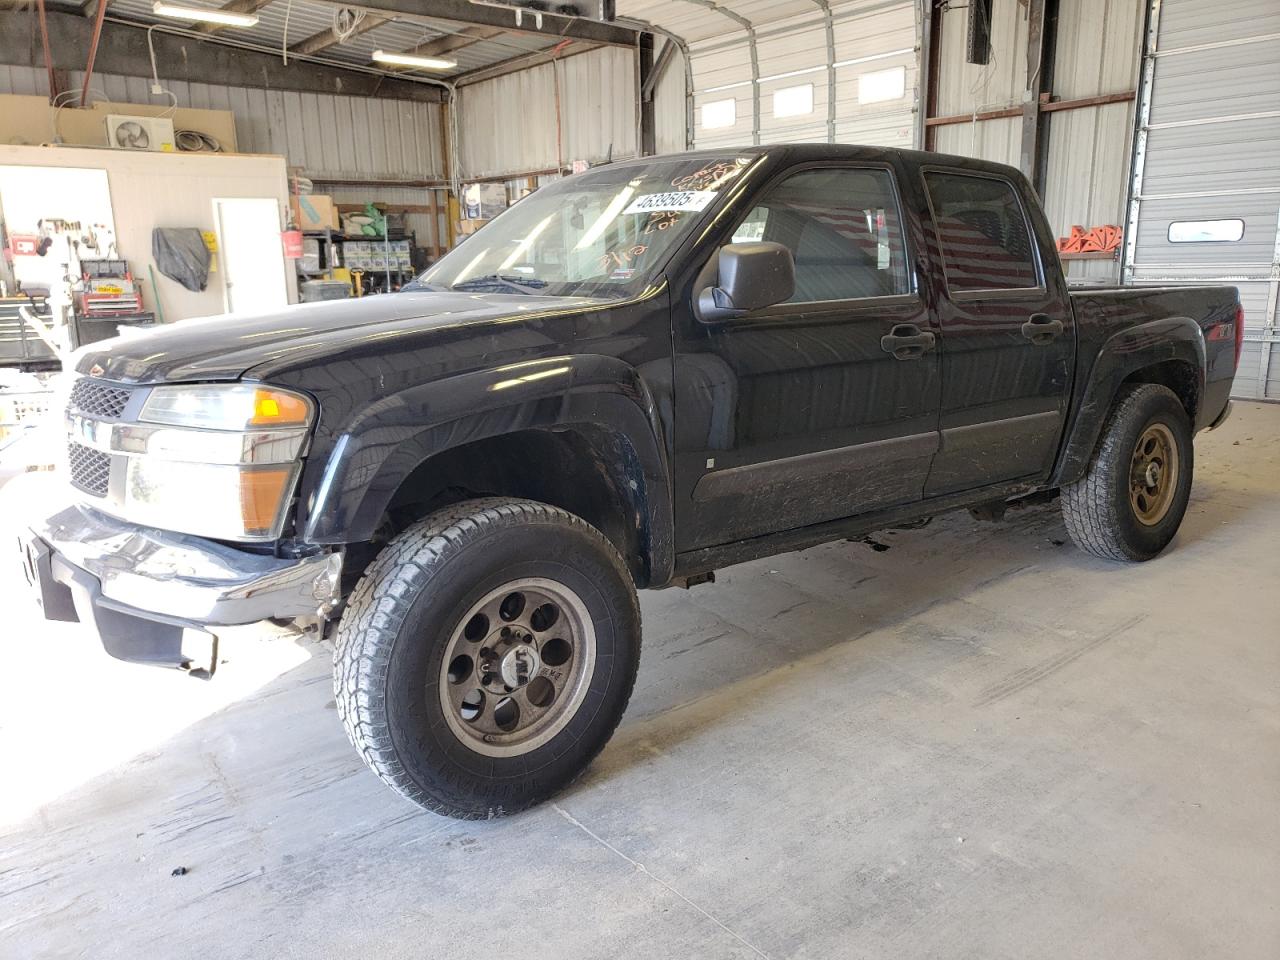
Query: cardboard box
469, 226
315, 211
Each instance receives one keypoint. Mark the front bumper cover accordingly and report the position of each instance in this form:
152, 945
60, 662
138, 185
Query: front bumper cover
144, 590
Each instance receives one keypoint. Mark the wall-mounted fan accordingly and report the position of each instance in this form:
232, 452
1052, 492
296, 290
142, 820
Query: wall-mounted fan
140, 133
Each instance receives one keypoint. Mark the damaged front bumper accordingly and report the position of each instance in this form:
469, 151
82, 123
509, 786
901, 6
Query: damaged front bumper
156, 597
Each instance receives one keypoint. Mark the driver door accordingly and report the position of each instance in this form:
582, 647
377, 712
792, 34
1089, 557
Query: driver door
814, 409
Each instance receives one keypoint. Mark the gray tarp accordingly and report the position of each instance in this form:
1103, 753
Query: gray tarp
180, 254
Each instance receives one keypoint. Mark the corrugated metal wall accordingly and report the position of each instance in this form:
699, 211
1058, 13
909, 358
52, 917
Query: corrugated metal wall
1087, 161
510, 122
968, 88
330, 137
1209, 149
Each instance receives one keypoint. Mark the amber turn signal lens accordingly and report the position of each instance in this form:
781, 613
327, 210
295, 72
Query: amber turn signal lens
261, 496
275, 408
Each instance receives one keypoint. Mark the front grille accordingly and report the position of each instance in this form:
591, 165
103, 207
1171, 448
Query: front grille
97, 398
90, 469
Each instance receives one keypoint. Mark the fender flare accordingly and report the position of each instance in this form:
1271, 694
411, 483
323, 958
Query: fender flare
1123, 354
383, 444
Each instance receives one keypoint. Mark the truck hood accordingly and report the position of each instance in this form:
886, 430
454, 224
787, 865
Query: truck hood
226, 347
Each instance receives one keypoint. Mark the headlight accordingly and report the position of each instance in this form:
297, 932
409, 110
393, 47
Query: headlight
214, 460
239, 406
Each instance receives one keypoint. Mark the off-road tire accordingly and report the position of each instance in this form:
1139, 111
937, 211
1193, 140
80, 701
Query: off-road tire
392, 637
1098, 510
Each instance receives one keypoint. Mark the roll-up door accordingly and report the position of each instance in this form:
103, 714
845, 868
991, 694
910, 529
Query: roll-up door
1206, 179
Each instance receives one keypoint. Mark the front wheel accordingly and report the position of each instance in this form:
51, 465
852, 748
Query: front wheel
1132, 498
487, 656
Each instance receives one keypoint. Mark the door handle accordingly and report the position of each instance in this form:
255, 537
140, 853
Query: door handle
906, 341
1041, 329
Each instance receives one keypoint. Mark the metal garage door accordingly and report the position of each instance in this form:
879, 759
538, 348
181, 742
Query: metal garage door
778, 71
1206, 179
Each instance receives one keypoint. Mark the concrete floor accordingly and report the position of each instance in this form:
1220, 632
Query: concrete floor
976, 743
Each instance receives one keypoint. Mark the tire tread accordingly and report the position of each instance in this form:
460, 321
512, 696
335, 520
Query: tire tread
378, 607
1089, 506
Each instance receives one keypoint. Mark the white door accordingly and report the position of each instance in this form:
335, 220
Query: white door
250, 255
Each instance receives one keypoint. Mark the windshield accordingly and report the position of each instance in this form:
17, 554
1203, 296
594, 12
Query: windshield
596, 234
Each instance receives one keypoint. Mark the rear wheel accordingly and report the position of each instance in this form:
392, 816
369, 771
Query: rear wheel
487, 656
1132, 498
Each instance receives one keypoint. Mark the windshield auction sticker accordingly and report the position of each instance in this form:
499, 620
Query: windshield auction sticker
673, 201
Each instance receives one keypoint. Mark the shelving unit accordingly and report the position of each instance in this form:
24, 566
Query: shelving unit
333, 253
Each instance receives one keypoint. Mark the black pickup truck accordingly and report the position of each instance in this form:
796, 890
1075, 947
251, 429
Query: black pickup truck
634, 376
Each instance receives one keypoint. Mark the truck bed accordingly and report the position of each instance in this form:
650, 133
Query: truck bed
1102, 313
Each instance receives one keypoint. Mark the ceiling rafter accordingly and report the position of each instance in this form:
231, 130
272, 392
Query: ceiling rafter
455, 41
234, 6
328, 38
464, 13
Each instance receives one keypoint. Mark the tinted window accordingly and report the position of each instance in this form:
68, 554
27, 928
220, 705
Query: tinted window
843, 229
985, 244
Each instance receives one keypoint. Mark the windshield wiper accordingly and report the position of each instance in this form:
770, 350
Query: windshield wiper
417, 285
518, 283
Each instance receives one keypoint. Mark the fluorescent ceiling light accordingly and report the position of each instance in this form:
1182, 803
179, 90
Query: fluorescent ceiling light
225, 17
409, 60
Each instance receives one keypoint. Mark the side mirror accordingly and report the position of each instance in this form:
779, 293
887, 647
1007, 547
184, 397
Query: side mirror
752, 276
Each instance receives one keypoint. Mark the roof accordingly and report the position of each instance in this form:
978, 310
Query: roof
286, 23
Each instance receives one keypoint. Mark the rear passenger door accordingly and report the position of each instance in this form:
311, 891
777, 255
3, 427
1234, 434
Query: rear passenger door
802, 412
1007, 336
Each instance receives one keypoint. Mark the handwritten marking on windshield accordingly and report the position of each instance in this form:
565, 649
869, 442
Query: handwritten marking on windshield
712, 176
661, 221
620, 259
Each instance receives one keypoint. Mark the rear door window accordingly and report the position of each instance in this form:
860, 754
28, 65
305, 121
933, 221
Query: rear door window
983, 232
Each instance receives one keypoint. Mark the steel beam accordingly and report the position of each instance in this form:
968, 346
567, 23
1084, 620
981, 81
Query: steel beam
123, 51
328, 38
460, 11
48, 57
233, 6
93, 45
659, 68
465, 37
1041, 41
646, 77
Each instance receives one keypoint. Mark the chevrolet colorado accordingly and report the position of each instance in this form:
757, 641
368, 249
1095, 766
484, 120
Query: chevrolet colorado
634, 376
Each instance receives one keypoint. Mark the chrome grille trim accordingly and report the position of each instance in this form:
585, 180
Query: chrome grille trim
90, 469
98, 398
